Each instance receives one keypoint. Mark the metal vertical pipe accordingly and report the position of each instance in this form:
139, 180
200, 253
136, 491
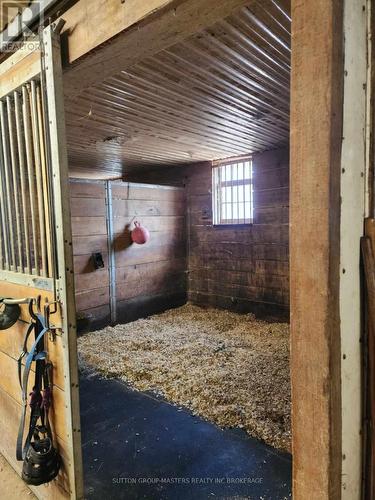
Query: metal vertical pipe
30, 173
22, 166
2, 235
2, 225
14, 170
3, 208
38, 171
111, 252
51, 223
45, 182
4, 135
216, 195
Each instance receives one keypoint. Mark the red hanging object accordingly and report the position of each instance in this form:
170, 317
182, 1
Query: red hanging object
140, 234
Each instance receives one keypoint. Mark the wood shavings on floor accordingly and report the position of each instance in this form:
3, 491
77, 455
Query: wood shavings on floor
228, 368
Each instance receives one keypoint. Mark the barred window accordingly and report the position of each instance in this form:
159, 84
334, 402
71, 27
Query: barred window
232, 193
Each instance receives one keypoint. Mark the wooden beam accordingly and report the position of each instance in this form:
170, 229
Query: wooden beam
316, 134
124, 33
19, 67
92, 24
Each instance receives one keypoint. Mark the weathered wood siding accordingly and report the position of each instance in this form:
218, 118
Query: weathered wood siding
89, 228
151, 277
244, 268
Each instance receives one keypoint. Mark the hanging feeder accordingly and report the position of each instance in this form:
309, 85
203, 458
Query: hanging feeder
140, 234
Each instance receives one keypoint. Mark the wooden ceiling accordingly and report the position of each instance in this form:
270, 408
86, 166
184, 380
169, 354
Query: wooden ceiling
223, 92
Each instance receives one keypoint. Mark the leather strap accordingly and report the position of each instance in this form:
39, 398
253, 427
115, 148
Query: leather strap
37, 355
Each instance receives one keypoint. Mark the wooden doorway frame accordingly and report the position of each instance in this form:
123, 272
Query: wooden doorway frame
329, 169
328, 174
328, 186
321, 92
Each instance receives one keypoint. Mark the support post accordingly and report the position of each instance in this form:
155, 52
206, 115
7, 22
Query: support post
316, 136
65, 291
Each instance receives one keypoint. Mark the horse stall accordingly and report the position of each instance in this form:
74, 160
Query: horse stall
196, 317
192, 321
180, 312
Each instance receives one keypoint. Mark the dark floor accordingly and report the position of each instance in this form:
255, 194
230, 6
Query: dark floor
137, 446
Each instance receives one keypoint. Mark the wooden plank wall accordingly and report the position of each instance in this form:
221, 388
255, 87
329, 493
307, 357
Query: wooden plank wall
149, 278
89, 229
244, 268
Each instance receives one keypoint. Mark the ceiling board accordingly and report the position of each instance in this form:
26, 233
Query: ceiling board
223, 92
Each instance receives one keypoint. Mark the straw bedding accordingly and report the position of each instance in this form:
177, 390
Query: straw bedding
228, 368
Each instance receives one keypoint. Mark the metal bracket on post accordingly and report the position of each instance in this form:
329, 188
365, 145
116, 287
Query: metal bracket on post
111, 251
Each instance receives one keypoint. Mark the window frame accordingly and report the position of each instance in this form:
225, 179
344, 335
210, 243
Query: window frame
218, 183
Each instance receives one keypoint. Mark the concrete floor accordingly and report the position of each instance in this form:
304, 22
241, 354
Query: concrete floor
137, 446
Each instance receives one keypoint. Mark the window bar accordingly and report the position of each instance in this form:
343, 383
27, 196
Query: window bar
238, 194
219, 214
224, 193
14, 168
12, 264
21, 158
232, 194
214, 195
251, 191
38, 167
244, 191
219, 206
30, 173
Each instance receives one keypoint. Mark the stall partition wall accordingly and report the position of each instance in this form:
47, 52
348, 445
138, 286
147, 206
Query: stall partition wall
136, 280
35, 248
